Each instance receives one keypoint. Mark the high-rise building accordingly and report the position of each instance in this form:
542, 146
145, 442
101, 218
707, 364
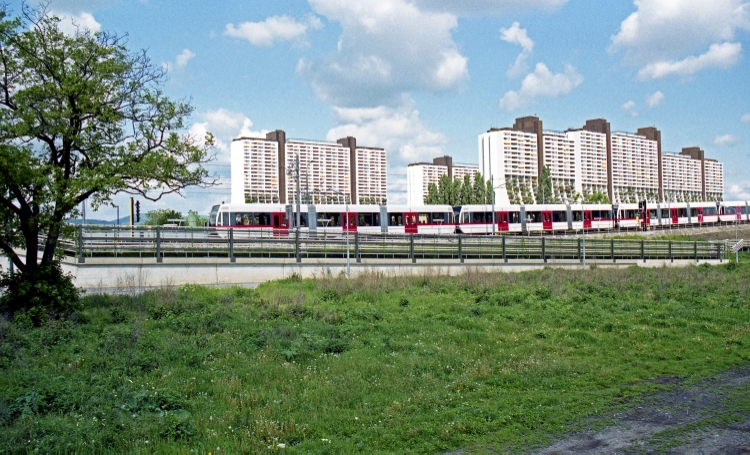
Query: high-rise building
265, 170
624, 167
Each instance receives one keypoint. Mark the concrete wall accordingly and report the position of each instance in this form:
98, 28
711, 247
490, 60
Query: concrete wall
114, 274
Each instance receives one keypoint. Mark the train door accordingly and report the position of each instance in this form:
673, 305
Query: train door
700, 214
547, 221
675, 219
351, 224
410, 223
587, 219
280, 223
503, 224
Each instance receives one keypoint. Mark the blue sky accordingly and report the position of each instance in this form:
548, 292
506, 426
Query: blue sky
423, 78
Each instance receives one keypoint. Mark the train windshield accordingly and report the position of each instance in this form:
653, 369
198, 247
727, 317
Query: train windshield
212, 216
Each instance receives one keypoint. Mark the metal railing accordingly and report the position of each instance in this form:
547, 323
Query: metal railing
175, 242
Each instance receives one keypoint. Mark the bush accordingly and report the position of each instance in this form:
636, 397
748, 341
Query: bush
41, 293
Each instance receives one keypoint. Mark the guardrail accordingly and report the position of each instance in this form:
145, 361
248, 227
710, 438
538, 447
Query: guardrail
158, 243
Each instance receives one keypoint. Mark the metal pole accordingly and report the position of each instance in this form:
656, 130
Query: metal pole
296, 163
583, 240
158, 245
492, 183
736, 239
356, 247
348, 267
505, 253
296, 246
80, 245
231, 245
460, 249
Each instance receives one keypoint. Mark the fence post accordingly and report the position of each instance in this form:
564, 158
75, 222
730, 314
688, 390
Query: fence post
544, 250
580, 257
505, 253
612, 249
296, 246
460, 249
671, 258
643, 255
695, 250
231, 245
718, 250
158, 244
411, 249
356, 247
81, 258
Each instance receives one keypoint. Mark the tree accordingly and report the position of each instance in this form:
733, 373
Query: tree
432, 197
544, 187
82, 118
161, 217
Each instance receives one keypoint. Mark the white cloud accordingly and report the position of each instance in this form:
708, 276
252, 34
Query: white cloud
745, 118
276, 28
180, 62
725, 140
70, 23
664, 36
722, 55
739, 192
542, 82
517, 35
225, 125
655, 99
629, 107
386, 48
400, 131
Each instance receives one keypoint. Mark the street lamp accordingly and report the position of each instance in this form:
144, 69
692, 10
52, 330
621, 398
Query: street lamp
346, 201
583, 229
492, 182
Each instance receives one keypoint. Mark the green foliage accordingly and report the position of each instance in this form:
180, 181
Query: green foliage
543, 190
82, 118
161, 217
34, 296
459, 192
480, 362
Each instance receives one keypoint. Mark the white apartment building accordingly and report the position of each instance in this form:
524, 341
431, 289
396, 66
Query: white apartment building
560, 159
681, 178
635, 168
509, 159
324, 169
714, 172
590, 156
254, 170
370, 175
265, 170
418, 178
461, 170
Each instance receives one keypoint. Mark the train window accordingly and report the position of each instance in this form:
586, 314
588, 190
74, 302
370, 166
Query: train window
438, 218
665, 213
652, 213
369, 219
225, 219
242, 219
514, 217
480, 217
745, 210
682, 213
424, 218
303, 219
577, 216
213, 215
533, 217
709, 210
395, 219
559, 217
730, 210
598, 215
693, 211
263, 219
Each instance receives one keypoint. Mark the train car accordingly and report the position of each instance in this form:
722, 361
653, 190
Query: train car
478, 219
731, 211
703, 212
591, 216
323, 219
420, 219
250, 219
546, 217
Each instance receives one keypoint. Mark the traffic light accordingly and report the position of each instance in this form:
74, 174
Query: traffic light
137, 211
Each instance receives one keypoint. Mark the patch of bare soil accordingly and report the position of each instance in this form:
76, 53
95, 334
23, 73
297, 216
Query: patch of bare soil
710, 416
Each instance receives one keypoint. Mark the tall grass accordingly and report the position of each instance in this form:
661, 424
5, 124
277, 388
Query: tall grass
373, 364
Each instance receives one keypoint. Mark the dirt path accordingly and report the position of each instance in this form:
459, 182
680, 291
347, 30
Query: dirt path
710, 416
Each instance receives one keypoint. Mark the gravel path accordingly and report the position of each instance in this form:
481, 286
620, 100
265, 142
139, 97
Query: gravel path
710, 416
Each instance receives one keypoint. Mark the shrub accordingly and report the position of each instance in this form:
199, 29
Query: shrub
41, 293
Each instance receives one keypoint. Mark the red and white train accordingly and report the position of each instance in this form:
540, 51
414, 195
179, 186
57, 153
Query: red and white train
323, 219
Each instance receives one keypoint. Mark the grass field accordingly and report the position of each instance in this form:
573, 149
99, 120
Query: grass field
373, 364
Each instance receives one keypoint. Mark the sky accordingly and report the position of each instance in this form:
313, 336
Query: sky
423, 78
